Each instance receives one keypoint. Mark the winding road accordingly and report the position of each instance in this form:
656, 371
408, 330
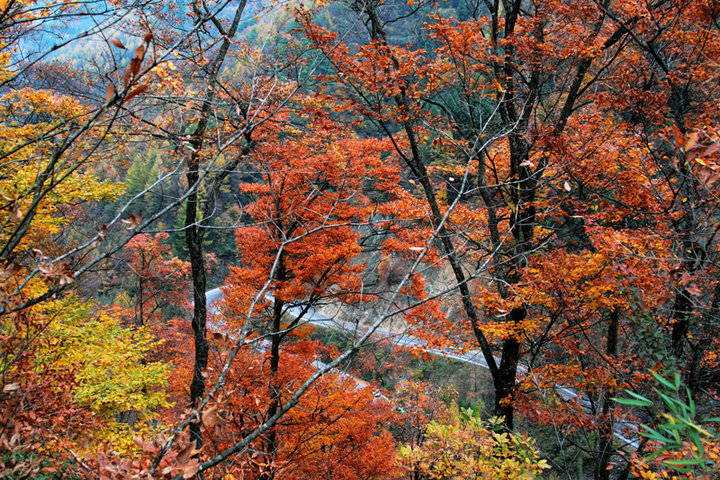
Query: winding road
473, 357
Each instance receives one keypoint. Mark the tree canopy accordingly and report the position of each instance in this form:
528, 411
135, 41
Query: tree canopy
378, 189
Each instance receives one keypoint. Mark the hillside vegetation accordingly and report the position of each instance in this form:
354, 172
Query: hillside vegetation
455, 240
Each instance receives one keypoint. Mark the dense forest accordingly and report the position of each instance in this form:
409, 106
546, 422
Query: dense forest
360, 239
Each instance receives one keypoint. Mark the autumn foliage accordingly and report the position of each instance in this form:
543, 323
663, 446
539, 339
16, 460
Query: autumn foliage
528, 186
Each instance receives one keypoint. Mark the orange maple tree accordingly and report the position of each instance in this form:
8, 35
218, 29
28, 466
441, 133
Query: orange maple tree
309, 193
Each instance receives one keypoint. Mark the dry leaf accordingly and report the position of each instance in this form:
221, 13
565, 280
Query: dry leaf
210, 417
134, 67
191, 470
693, 290
11, 387
116, 41
103, 232
126, 76
141, 89
133, 221
567, 186
185, 453
140, 52
110, 92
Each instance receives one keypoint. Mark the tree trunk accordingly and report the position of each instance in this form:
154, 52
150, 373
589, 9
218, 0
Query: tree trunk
271, 438
193, 239
605, 431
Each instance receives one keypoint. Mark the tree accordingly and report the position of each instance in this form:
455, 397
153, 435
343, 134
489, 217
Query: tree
336, 430
161, 279
60, 133
301, 246
68, 373
475, 96
519, 125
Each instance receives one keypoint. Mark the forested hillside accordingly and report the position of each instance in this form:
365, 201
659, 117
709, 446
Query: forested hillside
360, 239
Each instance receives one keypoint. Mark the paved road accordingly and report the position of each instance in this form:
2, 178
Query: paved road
473, 357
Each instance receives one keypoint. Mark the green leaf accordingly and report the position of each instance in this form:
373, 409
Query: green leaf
681, 465
637, 400
672, 404
691, 403
666, 383
655, 435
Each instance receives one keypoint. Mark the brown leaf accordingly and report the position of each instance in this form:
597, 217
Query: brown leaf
13, 269
694, 152
140, 52
210, 417
66, 275
126, 76
139, 90
116, 41
11, 387
191, 470
103, 232
134, 67
132, 222
711, 150
693, 290
110, 93
185, 453
685, 279
148, 37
